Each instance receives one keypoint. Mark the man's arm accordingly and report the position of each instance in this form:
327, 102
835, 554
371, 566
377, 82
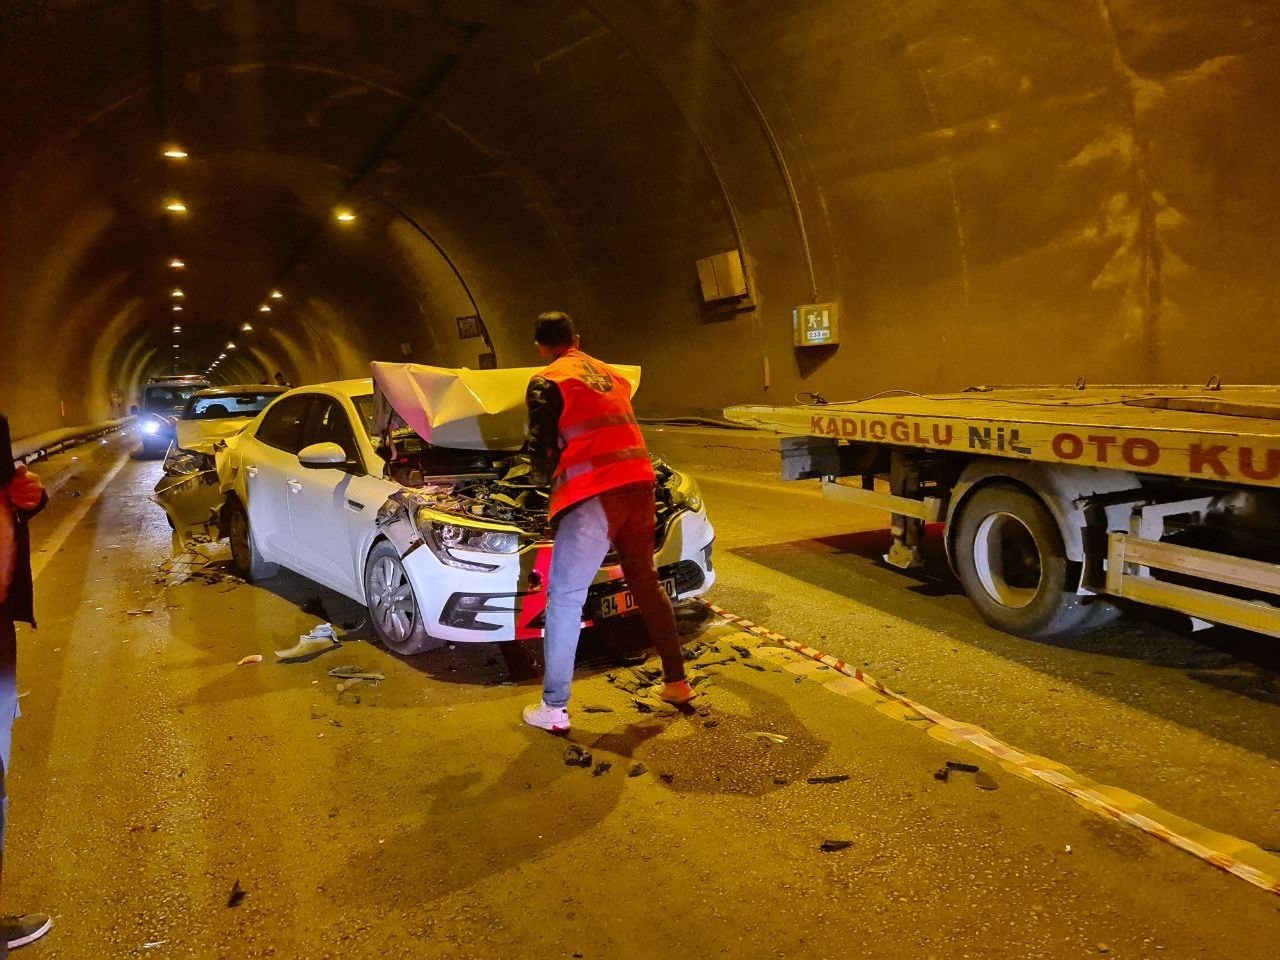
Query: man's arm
545, 406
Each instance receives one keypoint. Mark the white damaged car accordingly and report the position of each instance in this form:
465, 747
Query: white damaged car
408, 493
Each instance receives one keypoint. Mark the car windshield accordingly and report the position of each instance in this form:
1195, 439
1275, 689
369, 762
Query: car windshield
248, 404
166, 398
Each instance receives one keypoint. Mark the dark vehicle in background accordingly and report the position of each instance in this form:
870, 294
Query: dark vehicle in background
162, 400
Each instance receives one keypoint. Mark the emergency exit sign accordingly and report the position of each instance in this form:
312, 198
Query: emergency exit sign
815, 325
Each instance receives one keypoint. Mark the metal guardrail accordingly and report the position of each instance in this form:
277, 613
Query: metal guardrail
37, 446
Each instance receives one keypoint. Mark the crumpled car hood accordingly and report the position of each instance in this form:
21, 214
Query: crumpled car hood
199, 436
457, 407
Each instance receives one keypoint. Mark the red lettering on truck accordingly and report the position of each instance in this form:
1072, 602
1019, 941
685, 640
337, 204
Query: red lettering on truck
1100, 445
1139, 452
1208, 457
900, 431
1269, 471
1067, 446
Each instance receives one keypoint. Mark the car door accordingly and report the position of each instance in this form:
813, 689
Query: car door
332, 510
268, 461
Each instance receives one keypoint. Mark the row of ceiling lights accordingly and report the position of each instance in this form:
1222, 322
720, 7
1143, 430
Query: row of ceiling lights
177, 206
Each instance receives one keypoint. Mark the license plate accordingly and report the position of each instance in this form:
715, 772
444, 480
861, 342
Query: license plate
622, 602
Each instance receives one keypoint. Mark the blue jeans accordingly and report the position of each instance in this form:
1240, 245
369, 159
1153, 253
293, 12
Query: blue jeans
8, 709
624, 517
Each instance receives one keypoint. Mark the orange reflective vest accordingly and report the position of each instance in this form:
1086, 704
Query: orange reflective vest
603, 446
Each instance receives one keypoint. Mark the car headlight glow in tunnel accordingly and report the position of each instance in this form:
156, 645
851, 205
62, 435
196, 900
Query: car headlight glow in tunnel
150, 426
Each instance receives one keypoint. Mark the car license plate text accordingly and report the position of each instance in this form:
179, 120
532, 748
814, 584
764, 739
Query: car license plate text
623, 602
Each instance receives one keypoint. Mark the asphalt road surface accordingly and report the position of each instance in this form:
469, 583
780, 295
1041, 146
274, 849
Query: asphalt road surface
417, 817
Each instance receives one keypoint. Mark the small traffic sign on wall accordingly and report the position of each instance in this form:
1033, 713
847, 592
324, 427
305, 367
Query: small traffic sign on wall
815, 325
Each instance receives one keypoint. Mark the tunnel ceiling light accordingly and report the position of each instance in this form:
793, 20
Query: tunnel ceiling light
222, 356
177, 328
176, 206
231, 344
176, 264
264, 309
175, 153
177, 308
277, 295
344, 215
246, 326
177, 292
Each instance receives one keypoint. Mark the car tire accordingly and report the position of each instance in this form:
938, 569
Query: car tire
393, 606
245, 555
1012, 564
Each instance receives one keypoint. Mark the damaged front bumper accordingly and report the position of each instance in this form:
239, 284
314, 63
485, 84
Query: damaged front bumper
192, 503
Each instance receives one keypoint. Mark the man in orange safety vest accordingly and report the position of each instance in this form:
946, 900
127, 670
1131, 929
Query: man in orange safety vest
583, 434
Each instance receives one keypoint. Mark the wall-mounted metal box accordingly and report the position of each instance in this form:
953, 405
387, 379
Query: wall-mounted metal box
816, 325
722, 277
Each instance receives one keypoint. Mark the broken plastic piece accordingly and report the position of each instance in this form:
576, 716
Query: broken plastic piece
321, 639
834, 778
597, 709
942, 774
355, 673
602, 767
831, 846
251, 658
575, 756
962, 767
753, 666
237, 894
667, 777
767, 737
639, 770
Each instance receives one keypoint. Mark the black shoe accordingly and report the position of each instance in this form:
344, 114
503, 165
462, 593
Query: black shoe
20, 930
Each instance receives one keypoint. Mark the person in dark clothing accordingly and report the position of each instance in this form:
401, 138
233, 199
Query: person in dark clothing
21, 497
583, 435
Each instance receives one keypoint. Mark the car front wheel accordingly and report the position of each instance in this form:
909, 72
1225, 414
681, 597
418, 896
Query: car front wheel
393, 607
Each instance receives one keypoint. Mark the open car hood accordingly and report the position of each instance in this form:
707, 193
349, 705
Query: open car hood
457, 407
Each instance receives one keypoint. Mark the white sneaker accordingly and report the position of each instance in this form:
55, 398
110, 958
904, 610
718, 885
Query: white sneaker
555, 719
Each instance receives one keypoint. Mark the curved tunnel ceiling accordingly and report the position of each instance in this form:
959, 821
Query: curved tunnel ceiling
968, 183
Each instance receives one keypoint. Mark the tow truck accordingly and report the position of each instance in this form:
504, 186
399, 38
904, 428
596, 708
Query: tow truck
1057, 501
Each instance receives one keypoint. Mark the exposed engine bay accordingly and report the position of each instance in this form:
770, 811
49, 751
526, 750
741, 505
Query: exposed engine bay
489, 486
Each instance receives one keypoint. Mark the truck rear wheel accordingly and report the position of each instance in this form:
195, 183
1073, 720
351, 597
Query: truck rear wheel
1013, 567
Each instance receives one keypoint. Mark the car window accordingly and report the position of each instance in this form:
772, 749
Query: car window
330, 424
231, 405
365, 405
282, 427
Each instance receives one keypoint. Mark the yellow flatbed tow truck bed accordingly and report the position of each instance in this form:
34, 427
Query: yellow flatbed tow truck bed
1230, 435
1054, 497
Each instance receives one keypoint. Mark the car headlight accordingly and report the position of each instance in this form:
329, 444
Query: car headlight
443, 538
684, 491
150, 426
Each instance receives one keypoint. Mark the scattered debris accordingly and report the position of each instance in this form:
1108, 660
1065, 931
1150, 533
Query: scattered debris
833, 778
753, 666
152, 944
147, 611
638, 770
1067, 849
743, 652
667, 777
321, 639
831, 846
602, 767
942, 774
709, 724
237, 894
575, 756
251, 658
641, 706
597, 709
962, 767
985, 781
355, 673
766, 737
780, 781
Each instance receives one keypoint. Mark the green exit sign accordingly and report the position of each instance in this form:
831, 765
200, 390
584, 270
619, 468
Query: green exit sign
815, 325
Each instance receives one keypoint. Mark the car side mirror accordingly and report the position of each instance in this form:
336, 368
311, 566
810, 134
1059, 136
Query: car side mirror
326, 456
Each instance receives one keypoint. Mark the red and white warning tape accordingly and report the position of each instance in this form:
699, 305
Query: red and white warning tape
1263, 872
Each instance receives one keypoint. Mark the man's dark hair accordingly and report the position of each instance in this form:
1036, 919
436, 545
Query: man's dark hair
554, 329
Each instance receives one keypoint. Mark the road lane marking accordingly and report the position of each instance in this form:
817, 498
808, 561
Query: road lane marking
51, 544
1237, 857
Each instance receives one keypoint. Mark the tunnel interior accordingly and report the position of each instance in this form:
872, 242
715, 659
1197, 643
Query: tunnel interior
986, 193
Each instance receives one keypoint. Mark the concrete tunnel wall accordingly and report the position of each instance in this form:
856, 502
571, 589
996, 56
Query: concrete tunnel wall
991, 192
